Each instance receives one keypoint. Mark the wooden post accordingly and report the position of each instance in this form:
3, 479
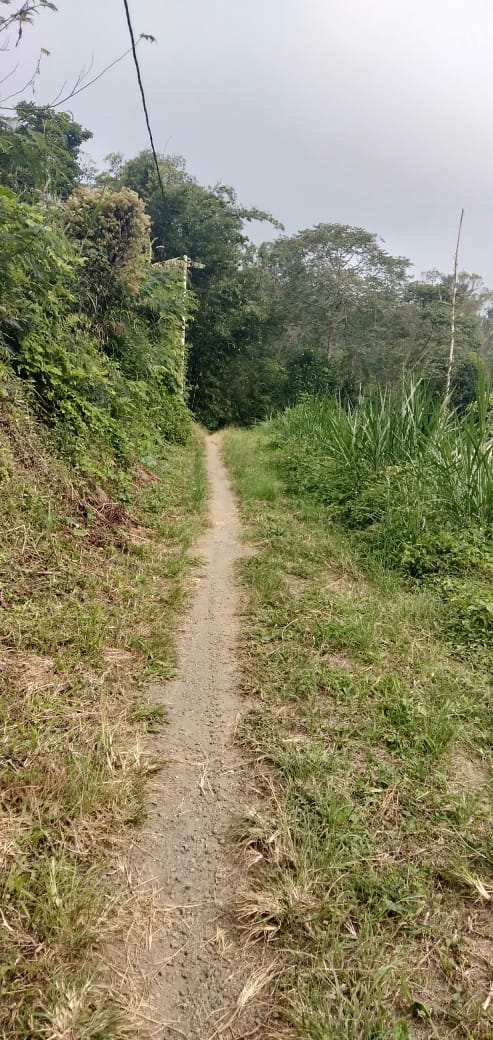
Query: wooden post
452, 317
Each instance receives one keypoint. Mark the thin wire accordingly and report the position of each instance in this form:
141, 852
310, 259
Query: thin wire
142, 94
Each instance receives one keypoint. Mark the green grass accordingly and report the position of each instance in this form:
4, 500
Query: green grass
373, 862
416, 478
89, 593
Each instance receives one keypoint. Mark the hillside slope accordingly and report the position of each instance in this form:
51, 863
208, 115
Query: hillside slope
90, 582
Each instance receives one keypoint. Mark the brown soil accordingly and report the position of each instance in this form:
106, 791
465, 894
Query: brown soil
197, 976
466, 774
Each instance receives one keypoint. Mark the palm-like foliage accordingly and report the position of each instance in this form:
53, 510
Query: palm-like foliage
436, 464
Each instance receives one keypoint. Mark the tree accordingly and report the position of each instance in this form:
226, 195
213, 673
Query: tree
426, 312
23, 15
207, 224
310, 372
336, 290
39, 151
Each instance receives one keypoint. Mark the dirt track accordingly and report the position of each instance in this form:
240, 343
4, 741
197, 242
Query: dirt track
196, 968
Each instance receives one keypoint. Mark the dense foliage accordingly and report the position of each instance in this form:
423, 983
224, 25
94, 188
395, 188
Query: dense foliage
347, 313
231, 377
90, 325
40, 151
325, 310
415, 479
328, 311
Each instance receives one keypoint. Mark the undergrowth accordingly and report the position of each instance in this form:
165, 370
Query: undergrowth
415, 480
89, 586
372, 865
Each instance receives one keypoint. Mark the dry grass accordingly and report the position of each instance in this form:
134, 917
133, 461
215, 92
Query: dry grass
260, 980
89, 591
466, 774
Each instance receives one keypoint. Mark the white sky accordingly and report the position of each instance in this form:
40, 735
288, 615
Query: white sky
370, 112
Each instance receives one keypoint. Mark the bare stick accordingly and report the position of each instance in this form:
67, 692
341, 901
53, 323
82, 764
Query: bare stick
79, 85
30, 82
452, 318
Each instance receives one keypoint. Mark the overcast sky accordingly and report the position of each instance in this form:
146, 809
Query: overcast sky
370, 112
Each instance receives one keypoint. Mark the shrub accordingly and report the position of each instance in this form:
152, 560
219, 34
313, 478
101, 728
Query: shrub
398, 451
415, 478
106, 376
111, 230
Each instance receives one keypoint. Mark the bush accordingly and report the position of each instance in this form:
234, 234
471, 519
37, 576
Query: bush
311, 373
401, 452
416, 481
111, 230
106, 378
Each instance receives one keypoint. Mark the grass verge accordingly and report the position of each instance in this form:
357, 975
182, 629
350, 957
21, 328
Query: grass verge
89, 592
372, 857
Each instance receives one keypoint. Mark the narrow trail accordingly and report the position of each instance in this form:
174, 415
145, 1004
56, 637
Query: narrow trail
195, 970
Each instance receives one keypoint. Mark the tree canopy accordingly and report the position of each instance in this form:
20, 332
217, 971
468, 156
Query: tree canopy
327, 310
40, 151
208, 225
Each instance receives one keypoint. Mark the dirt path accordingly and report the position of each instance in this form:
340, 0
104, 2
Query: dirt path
196, 968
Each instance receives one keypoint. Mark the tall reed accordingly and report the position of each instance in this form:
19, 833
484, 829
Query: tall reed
414, 453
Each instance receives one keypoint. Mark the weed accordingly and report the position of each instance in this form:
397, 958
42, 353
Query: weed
151, 716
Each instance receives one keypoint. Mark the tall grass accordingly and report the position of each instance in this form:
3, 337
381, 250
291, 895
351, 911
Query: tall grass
334, 451
398, 464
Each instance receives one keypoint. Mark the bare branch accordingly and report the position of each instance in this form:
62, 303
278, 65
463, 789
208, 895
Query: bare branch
9, 74
23, 15
32, 79
79, 84
83, 73
62, 88
106, 69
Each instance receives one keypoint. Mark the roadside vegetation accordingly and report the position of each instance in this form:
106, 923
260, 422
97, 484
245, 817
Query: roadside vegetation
90, 587
367, 657
415, 479
101, 498
370, 614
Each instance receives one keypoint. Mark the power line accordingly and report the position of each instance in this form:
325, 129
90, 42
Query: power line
142, 94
